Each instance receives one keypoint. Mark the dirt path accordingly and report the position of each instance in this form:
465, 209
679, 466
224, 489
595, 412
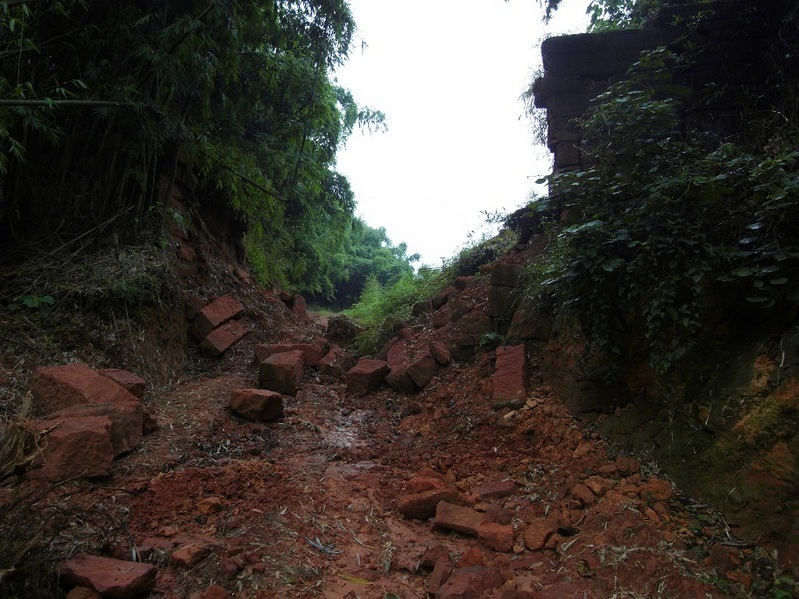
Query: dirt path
312, 505
393, 496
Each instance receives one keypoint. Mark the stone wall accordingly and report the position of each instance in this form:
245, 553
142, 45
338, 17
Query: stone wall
731, 41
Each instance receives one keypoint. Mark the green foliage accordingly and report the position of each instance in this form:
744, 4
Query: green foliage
477, 253
32, 302
665, 222
382, 309
620, 14
112, 99
363, 253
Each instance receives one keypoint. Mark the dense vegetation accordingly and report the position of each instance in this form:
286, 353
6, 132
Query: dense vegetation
674, 225
105, 105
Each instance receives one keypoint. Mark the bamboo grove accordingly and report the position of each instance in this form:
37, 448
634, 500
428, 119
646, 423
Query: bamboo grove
101, 104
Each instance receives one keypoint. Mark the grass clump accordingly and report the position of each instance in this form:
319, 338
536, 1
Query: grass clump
383, 309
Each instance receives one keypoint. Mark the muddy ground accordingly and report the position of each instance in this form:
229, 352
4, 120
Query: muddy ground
309, 505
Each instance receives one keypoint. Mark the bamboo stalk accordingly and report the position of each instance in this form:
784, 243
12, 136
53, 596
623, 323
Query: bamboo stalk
49, 103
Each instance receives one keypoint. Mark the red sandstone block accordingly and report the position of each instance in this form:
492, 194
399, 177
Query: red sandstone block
282, 372
110, 577
76, 447
510, 377
218, 341
260, 405
366, 376
58, 387
214, 314
136, 385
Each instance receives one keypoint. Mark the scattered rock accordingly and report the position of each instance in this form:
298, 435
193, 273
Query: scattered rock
366, 376
423, 370
583, 494
442, 570
656, 490
218, 341
539, 530
312, 352
189, 555
259, 405
76, 447
397, 376
495, 489
498, 537
510, 378
112, 578
459, 518
215, 314
282, 372
440, 353
470, 583
472, 557
336, 362
421, 506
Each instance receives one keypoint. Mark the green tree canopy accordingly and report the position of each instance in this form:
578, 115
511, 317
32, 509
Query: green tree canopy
106, 102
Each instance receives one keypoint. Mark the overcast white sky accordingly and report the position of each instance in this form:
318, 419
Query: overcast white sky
448, 74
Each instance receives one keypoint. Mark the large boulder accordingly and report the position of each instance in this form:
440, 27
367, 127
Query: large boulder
397, 377
366, 376
58, 387
282, 372
75, 447
126, 418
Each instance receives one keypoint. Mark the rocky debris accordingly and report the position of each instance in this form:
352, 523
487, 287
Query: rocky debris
398, 363
474, 582
259, 405
312, 352
282, 372
459, 518
134, 384
218, 341
112, 578
366, 376
91, 419
526, 503
336, 363
126, 418
58, 387
510, 378
75, 447
213, 315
